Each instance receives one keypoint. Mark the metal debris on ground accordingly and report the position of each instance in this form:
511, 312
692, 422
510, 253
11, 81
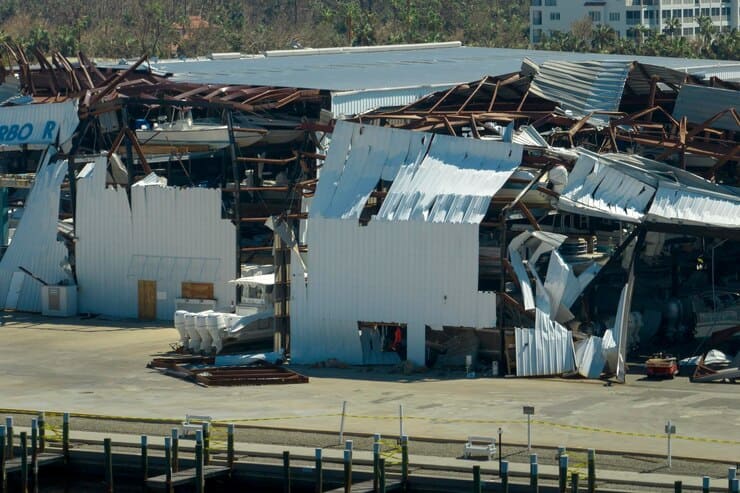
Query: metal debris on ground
202, 371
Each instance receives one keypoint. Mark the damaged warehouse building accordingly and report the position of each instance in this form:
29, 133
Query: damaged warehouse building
553, 218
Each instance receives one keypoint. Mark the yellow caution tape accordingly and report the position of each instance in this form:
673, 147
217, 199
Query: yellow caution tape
223, 422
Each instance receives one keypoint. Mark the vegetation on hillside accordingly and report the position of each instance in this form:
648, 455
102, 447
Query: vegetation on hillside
165, 28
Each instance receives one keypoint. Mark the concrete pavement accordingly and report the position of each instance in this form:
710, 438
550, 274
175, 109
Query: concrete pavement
98, 367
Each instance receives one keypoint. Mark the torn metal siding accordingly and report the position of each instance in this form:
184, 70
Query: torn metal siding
35, 246
699, 103
674, 203
453, 183
436, 178
545, 350
590, 359
359, 157
594, 188
582, 87
168, 235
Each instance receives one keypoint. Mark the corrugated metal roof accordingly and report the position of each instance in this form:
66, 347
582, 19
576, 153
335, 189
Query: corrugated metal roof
389, 69
698, 104
351, 103
545, 350
35, 246
582, 87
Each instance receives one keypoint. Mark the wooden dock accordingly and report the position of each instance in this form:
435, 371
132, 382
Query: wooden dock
369, 487
186, 476
44, 459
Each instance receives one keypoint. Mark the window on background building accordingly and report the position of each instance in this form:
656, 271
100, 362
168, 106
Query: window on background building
614, 16
666, 14
650, 15
677, 13
633, 17
551, 3
688, 31
725, 11
688, 13
594, 15
536, 17
536, 3
715, 11
536, 35
554, 16
704, 12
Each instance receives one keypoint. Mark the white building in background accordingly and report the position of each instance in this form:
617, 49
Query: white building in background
412, 264
548, 16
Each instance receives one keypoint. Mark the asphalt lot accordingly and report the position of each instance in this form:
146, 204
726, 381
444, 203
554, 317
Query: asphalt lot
98, 368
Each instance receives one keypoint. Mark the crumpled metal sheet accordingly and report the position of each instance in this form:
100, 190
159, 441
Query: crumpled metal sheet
545, 350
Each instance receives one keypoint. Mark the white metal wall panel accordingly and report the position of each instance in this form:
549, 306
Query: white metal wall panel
405, 272
674, 203
168, 235
545, 350
35, 246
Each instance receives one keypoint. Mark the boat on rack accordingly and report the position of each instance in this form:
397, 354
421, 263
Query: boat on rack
188, 132
279, 130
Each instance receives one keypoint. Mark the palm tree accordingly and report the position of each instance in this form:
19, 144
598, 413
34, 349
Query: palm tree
673, 27
707, 31
603, 38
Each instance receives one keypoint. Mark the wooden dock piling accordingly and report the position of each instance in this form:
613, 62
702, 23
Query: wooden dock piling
199, 463
3, 474
286, 471
319, 472
591, 470
574, 482
24, 462
34, 456
505, 476
347, 471
107, 450
144, 459
476, 479
230, 446
42, 432
65, 438
381, 466
175, 449
9, 428
404, 462
563, 474
534, 480
168, 464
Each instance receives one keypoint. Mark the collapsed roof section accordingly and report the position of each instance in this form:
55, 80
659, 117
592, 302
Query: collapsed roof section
638, 190
435, 178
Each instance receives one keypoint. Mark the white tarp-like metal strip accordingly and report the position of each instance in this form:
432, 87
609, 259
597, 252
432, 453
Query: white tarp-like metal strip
38, 124
545, 350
